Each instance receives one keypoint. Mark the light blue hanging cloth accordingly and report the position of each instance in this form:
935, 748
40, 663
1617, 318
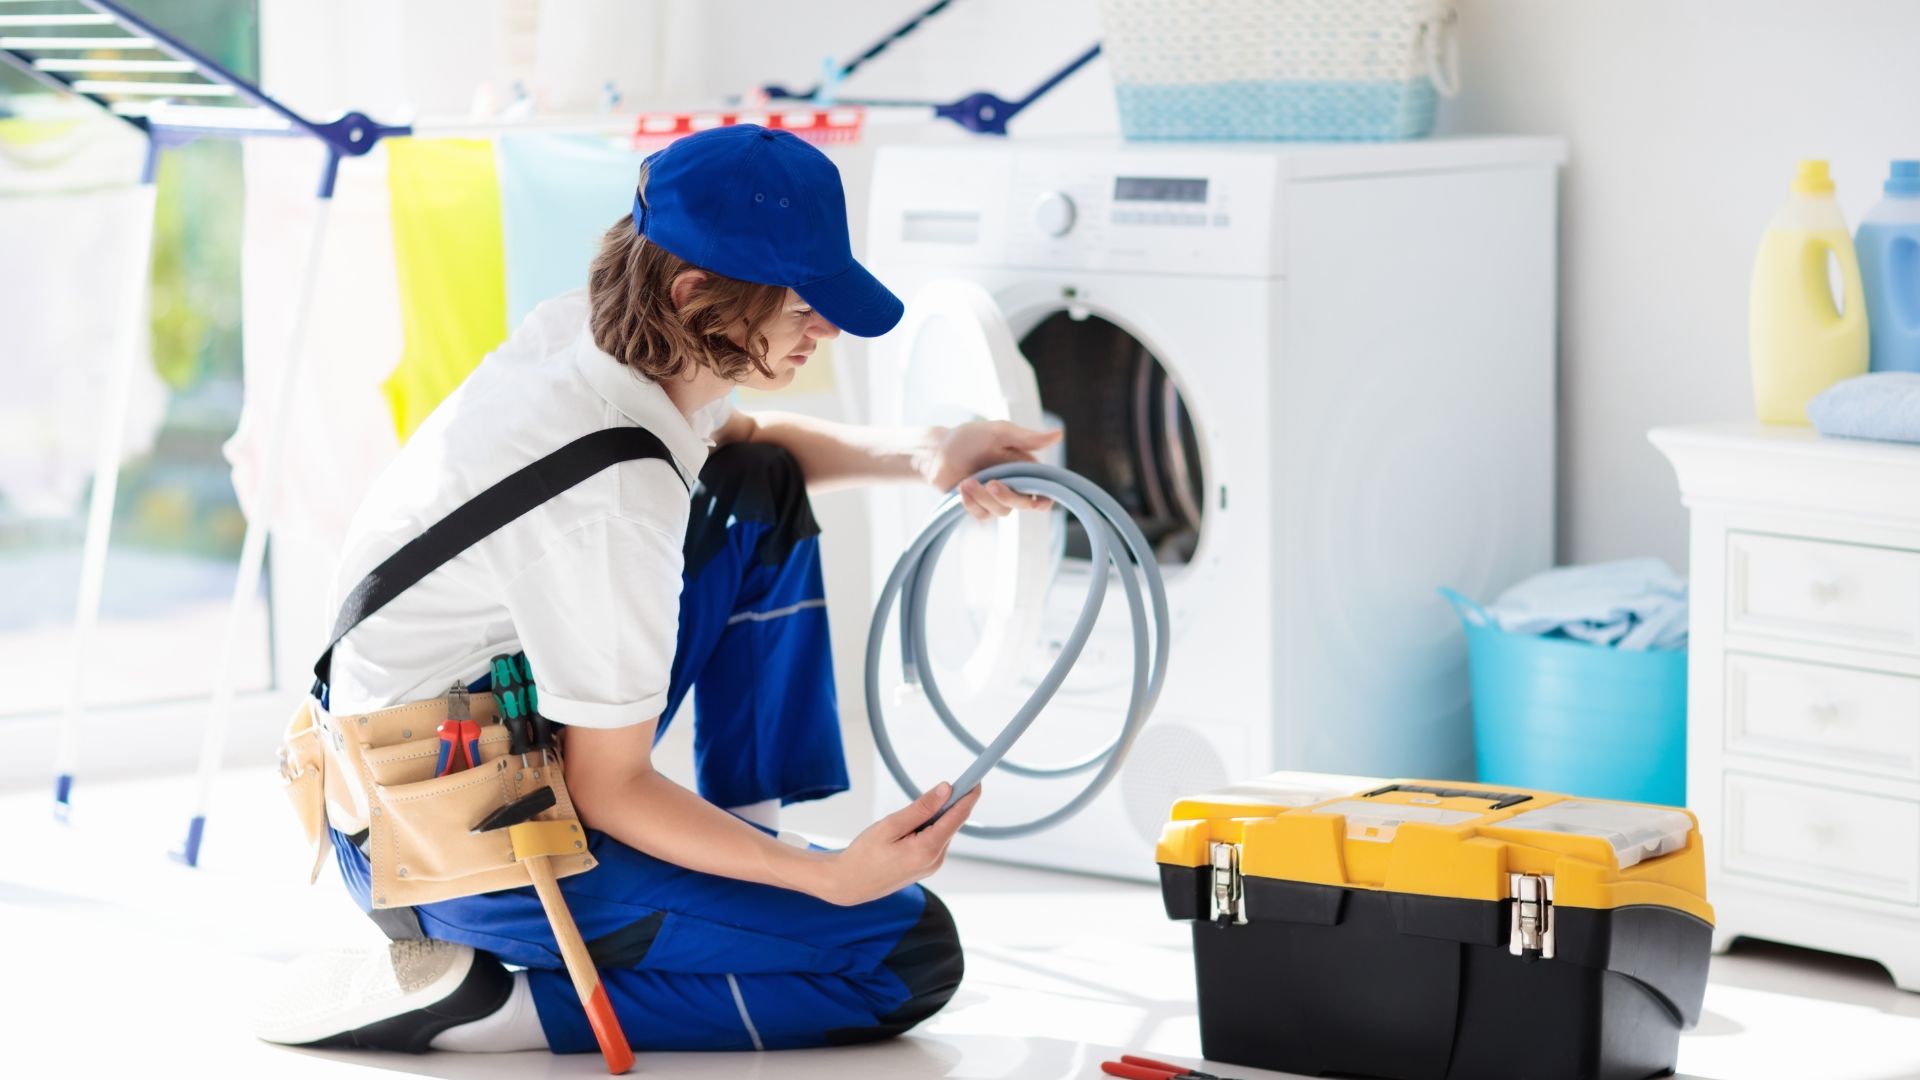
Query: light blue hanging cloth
558, 196
1630, 604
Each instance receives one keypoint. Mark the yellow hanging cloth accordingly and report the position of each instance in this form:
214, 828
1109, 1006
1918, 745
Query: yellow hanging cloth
451, 264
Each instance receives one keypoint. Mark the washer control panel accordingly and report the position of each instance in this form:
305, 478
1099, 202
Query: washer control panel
1098, 206
1166, 210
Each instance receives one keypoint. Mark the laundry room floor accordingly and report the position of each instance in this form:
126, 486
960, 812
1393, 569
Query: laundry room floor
123, 962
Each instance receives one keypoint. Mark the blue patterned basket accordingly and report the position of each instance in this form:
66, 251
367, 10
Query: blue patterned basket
1279, 69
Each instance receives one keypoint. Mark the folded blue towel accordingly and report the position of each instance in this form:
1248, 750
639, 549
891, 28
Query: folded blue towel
1884, 405
1630, 604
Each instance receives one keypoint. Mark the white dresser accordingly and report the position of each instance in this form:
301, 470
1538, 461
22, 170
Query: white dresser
1803, 745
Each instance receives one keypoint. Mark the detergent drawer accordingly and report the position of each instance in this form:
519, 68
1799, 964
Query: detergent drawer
1822, 591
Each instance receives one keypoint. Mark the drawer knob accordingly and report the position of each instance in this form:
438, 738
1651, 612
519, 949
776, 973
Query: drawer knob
1825, 834
1825, 591
1824, 715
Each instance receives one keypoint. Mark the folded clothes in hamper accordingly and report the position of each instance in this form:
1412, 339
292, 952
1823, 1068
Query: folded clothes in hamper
1628, 604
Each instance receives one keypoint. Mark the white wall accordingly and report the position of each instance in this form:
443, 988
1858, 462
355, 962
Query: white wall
1685, 117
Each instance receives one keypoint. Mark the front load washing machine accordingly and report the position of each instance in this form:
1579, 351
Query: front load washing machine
1320, 378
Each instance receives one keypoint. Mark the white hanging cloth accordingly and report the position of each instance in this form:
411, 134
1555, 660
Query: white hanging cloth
342, 434
74, 220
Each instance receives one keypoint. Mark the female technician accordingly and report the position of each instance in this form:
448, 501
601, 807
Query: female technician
623, 594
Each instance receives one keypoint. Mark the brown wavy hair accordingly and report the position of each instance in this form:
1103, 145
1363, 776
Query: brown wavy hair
630, 290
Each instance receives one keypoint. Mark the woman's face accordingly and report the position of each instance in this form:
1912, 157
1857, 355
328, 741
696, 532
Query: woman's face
792, 336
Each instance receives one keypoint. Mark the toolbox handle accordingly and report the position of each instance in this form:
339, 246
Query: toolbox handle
1500, 799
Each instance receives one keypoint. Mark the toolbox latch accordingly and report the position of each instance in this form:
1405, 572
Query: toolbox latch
1229, 897
1530, 932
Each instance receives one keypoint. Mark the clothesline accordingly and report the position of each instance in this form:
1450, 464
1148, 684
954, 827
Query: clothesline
213, 121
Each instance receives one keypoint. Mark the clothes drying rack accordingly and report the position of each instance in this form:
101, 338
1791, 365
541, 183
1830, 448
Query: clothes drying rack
139, 73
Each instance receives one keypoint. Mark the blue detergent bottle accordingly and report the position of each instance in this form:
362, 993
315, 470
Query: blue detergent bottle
1889, 247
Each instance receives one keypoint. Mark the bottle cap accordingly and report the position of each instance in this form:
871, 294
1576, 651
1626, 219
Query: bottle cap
1904, 178
1812, 178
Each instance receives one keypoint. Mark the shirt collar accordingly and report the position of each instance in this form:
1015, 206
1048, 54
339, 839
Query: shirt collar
642, 401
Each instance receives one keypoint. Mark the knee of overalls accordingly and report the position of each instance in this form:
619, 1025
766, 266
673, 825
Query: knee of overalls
928, 960
750, 482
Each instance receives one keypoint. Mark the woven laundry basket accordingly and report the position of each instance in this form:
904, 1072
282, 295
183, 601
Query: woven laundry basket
1279, 69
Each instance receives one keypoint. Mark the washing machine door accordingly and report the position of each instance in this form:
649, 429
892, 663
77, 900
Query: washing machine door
961, 364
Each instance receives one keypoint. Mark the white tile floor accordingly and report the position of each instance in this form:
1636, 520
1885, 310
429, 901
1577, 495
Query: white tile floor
122, 963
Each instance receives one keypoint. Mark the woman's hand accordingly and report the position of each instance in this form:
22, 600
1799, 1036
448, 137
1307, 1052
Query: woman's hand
889, 855
965, 450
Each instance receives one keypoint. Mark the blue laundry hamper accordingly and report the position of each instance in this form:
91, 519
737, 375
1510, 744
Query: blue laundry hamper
1563, 715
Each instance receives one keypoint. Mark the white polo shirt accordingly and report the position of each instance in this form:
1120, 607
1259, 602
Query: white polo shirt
587, 584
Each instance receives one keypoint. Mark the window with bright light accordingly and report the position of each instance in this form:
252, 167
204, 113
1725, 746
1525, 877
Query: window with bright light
69, 271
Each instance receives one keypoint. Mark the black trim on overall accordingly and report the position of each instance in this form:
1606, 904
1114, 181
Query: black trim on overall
928, 959
751, 482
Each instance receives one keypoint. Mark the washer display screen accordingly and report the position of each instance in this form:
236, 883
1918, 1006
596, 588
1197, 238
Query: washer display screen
1159, 189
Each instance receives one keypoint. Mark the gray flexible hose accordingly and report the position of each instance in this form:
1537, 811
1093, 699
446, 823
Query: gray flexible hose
1117, 542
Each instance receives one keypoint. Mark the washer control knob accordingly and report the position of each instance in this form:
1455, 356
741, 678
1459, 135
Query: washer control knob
1053, 214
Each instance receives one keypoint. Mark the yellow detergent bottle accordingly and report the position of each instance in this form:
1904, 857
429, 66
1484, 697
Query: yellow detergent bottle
1800, 342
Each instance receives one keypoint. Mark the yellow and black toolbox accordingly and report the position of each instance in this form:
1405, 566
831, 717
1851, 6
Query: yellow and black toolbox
1424, 930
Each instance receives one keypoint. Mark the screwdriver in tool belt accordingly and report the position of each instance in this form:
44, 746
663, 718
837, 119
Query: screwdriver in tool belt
508, 706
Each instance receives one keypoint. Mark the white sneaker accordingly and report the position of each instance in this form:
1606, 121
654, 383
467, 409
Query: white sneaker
396, 998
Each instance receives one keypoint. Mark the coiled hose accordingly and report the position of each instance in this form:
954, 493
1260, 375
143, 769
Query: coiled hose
1115, 541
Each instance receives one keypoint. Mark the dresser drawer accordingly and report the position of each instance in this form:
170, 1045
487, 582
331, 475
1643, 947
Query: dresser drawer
1822, 838
1840, 717
1820, 591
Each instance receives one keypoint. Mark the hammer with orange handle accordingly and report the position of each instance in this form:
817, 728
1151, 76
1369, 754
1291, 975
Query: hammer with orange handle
534, 842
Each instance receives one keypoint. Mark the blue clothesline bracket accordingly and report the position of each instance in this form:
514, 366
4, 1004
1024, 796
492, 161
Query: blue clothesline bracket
980, 112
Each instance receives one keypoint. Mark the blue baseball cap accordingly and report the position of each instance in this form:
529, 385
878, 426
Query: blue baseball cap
763, 206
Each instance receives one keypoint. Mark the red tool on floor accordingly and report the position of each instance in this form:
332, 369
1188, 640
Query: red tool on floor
1139, 1068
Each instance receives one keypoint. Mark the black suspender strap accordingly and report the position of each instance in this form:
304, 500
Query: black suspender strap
479, 516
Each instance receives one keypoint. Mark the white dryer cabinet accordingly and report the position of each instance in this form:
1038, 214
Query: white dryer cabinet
1804, 686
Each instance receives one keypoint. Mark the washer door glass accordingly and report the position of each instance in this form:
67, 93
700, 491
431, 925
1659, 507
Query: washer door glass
961, 364
1127, 428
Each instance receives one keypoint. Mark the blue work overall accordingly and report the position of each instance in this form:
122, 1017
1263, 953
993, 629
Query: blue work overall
693, 961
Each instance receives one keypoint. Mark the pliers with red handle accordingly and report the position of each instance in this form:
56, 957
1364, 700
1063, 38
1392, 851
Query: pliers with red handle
459, 736
1139, 1068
